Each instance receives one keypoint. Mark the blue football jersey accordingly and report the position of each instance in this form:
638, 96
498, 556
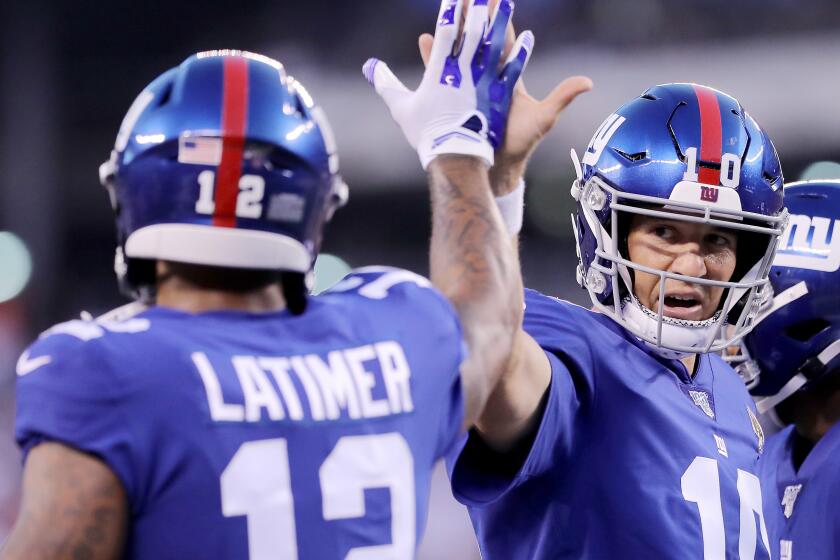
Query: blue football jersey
633, 457
803, 516
254, 436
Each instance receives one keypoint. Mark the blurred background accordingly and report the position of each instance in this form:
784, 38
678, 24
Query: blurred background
69, 71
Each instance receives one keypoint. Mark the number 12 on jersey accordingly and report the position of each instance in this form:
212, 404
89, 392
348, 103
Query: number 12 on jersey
701, 485
257, 483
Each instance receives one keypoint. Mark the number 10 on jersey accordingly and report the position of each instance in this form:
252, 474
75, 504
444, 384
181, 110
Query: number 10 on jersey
701, 485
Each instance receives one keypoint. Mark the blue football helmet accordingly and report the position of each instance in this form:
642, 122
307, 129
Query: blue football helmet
222, 161
681, 152
796, 339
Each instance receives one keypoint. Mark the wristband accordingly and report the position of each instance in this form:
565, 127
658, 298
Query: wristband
512, 208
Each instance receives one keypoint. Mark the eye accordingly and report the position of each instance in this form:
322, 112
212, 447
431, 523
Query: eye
720, 240
663, 231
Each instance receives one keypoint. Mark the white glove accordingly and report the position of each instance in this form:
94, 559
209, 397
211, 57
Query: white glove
462, 104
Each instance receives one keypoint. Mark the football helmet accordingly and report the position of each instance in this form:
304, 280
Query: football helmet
223, 161
682, 152
796, 338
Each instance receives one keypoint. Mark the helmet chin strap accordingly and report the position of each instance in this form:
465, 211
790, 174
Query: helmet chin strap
675, 332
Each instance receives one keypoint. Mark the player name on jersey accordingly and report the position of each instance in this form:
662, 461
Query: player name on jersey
367, 381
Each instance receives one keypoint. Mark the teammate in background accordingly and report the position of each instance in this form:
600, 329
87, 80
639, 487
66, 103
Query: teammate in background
620, 433
236, 417
791, 361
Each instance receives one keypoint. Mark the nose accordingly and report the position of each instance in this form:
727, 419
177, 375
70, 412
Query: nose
689, 262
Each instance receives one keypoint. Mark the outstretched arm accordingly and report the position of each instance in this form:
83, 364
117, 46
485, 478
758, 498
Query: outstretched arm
474, 265
513, 408
73, 507
455, 120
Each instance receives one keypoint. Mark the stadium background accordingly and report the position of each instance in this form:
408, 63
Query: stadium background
68, 72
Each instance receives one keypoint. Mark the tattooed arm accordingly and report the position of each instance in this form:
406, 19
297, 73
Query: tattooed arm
473, 263
456, 119
74, 507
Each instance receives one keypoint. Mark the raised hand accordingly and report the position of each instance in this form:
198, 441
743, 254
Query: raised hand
529, 119
462, 103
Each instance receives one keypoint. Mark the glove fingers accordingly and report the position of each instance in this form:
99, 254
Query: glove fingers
519, 57
495, 42
474, 31
446, 32
386, 84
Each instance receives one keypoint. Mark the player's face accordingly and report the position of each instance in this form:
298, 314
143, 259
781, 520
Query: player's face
686, 248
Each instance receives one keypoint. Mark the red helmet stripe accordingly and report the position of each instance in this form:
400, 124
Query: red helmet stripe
711, 134
234, 118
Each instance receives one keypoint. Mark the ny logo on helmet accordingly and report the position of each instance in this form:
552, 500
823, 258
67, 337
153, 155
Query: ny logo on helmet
708, 194
810, 242
601, 138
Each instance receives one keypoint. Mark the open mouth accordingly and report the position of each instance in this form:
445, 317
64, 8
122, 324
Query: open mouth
683, 306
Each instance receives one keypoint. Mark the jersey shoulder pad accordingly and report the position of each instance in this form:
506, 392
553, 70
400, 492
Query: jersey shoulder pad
551, 319
393, 296
538, 303
71, 388
392, 287
584, 340
380, 282
78, 341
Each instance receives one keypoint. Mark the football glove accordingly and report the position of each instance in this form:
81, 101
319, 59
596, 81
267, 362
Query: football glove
462, 103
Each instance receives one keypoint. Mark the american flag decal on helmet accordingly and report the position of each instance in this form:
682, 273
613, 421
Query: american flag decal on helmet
199, 150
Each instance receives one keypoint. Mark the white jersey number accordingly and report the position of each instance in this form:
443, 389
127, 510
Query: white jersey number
257, 483
701, 485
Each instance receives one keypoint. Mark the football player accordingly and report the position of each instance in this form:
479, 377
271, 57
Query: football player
791, 362
236, 417
618, 432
